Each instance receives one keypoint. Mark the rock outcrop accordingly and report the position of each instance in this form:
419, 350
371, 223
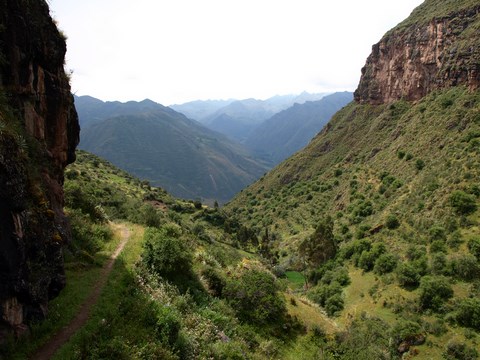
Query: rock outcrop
38, 134
411, 61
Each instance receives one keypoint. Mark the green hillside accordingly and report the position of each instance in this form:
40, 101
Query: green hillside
288, 131
401, 182
181, 288
171, 151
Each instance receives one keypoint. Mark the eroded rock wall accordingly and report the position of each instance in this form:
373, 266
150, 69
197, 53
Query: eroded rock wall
411, 62
38, 134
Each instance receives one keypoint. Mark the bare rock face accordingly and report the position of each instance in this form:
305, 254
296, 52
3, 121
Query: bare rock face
38, 134
410, 62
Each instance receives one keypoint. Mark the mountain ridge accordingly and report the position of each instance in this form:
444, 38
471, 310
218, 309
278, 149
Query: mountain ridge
174, 152
291, 129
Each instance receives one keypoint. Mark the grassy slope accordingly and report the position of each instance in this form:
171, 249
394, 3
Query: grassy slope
342, 169
346, 161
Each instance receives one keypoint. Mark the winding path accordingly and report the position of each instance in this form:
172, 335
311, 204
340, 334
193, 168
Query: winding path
60, 338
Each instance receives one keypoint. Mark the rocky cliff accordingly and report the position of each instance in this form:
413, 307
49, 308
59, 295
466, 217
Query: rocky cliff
38, 135
418, 57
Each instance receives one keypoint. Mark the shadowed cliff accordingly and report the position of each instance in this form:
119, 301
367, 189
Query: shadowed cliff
38, 134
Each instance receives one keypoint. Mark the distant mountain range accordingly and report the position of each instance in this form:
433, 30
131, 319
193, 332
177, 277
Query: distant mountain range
290, 130
163, 146
238, 118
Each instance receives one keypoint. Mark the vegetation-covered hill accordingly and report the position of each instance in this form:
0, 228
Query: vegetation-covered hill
169, 150
182, 289
290, 130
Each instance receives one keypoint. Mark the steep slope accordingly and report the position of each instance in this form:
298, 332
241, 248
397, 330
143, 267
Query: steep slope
174, 152
290, 130
38, 134
397, 171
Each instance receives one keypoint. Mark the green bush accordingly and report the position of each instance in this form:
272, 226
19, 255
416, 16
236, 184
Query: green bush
438, 263
465, 267
434, 291
166, 255
255, 297
321, 293
438, 246
405, 330
474, 247
339, 274
459, 351
419, 164
367, 258
167, 324
468, 313
87, 235
392, 222
462, 202
216, 283
385, 263
334, 304
437, 232
408, 274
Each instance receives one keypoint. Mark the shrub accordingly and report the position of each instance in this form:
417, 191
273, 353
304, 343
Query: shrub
434, 291
474, 247
254, 296
215, 281
438, 246
438, 263
462, 202
465, 267
415, 252
166, 255
334, 304
459, 351
468, 313
408, 275
437, 233
405, 331
385, 263
419, 164
167, 325
321, 293
339, 274
392, 222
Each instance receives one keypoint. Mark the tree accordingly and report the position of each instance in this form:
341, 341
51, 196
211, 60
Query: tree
385, 263
166, 255
321, 246
434, 291
463, 203
255, 297
468, 313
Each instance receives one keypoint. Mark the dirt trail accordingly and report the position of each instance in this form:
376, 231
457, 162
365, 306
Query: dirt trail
60, 338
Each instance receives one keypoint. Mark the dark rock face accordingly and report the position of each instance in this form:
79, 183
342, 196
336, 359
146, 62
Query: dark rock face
408, 63
38, 134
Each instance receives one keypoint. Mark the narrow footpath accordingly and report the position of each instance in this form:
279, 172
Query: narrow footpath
48, 350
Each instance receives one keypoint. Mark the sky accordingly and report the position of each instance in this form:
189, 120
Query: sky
174, 51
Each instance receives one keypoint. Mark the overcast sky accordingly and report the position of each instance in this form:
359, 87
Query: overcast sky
173, 51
